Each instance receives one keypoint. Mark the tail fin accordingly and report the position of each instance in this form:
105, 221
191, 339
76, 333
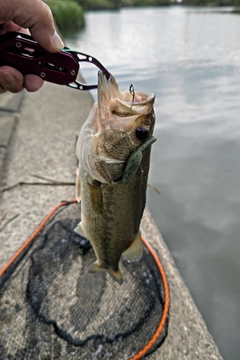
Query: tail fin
115, 274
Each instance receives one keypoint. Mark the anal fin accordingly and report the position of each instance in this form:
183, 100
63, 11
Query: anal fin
79, 230
135, 250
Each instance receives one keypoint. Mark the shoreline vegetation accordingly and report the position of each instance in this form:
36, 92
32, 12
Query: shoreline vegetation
69, 14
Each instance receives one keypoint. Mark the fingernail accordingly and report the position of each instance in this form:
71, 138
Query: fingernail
7, 80
57, 41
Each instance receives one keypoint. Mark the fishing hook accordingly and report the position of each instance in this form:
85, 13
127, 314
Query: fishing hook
132, 91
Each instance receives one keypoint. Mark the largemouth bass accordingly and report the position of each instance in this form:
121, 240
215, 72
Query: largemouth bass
113, 149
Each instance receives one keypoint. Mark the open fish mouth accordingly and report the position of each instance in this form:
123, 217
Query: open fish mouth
135, 101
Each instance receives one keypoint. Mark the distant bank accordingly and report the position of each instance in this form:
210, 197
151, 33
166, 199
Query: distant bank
69, 14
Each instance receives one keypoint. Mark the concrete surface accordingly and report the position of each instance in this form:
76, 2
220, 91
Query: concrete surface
9, 108
41, 172
11, 102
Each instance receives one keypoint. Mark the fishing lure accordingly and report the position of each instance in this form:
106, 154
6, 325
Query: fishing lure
22, 52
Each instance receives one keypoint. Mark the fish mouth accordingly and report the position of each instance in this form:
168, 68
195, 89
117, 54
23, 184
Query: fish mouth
109, 86
112, 101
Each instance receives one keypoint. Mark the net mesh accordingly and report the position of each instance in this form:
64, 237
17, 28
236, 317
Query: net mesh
51, 307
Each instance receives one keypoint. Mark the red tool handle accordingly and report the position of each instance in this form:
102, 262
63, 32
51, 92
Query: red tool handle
27, 56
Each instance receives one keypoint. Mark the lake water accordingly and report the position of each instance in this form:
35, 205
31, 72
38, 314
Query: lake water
190, 58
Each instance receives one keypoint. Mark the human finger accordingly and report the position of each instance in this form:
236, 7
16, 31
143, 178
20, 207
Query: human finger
10, 79
36, 16
32, 83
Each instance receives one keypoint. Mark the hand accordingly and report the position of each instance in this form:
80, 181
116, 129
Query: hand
28, 16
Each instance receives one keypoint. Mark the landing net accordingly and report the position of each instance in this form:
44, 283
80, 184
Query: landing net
51, 307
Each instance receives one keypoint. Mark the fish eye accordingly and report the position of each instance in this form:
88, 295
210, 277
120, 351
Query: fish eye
142, 133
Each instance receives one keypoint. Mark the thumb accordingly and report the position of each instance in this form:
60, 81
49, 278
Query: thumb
36, 16
43, 30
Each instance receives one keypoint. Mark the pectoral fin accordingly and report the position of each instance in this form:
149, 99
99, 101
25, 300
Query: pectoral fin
115, 274
79, 230
135, 250
134, 161
131, 167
